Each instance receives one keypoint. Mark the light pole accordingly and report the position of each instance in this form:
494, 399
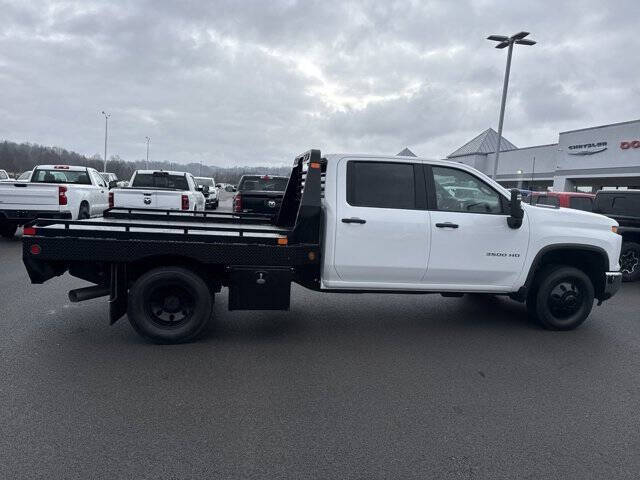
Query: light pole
519, 172
106, 129
146, 164
503, 43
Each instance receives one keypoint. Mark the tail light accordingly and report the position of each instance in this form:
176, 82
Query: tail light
185, 202
62, 195
237, 203
111, 200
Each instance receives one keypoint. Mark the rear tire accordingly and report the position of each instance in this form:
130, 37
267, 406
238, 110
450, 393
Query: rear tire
170, 305
630, 261
561, 297
8, 230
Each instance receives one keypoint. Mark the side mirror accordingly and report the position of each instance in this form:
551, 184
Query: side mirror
113, 184
516, 213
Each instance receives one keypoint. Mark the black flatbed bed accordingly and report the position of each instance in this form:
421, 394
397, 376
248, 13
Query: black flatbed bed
114, 250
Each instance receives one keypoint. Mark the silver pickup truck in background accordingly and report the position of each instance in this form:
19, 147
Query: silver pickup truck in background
159, 189
53, 191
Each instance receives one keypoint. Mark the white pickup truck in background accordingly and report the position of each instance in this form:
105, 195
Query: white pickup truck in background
159, 190
53, 191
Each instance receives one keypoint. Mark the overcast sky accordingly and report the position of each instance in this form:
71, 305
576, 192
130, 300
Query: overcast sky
256, 82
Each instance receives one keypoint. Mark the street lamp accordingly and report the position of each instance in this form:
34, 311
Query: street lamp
106, 127
146, 164
504, 42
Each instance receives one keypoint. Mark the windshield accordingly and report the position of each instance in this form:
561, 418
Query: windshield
61, 176
264, 184
25, 176
109, 177
3, 175
202, 181
160, 180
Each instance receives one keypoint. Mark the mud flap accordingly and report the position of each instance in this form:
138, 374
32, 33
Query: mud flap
119, 296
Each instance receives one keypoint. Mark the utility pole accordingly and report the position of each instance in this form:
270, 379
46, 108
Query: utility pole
146, 163
518, 38
106, 129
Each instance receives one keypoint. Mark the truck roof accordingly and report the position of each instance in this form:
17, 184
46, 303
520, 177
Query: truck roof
68, 168
168, 172
618, 192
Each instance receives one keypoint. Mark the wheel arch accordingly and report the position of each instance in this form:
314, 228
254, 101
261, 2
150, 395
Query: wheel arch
591, 259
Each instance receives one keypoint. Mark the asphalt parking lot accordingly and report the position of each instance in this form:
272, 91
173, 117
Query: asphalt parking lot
342, 386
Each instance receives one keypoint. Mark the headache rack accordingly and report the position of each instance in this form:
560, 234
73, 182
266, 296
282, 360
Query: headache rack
297, 222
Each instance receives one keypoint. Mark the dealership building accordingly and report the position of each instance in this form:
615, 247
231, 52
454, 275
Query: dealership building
588, 158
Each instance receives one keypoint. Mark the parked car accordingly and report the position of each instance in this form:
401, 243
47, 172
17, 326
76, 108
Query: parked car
259, 194
576, 200
53, 191
336, 233
4, 175
160, 190
624, 207
210, 192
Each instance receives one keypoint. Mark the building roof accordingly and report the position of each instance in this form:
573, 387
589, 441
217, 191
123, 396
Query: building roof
406, 153
486, 142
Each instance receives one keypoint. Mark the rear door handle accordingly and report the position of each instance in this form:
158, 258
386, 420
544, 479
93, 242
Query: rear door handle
447, 225
353, 220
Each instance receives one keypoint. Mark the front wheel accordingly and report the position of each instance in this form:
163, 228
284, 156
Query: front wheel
170, 305
561, 297
630, 261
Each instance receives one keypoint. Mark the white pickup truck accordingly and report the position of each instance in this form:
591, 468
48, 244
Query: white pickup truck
53, 191
159, 190
347, 224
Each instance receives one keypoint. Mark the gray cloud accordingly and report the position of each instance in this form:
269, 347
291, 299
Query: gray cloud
254, 82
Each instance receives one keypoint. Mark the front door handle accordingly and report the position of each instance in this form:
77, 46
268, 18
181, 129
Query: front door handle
447, 225
353, 220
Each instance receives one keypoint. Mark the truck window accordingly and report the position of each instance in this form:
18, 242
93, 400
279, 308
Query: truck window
160, 180
459, 191
381, 185
3, 175
265, 183
61, 176
581, 203
548, 200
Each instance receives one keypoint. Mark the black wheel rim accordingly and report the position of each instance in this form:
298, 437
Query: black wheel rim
566, 299
169, 306
629, 261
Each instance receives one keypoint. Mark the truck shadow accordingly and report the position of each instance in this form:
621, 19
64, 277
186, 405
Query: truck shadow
370, 316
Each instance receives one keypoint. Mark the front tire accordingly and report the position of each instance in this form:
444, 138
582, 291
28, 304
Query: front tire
630, 261
170, 305
561, 297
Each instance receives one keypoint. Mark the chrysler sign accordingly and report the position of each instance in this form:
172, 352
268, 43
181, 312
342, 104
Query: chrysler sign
587, 148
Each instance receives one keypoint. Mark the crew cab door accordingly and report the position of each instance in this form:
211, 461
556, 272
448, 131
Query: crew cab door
382, 234
471, 243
